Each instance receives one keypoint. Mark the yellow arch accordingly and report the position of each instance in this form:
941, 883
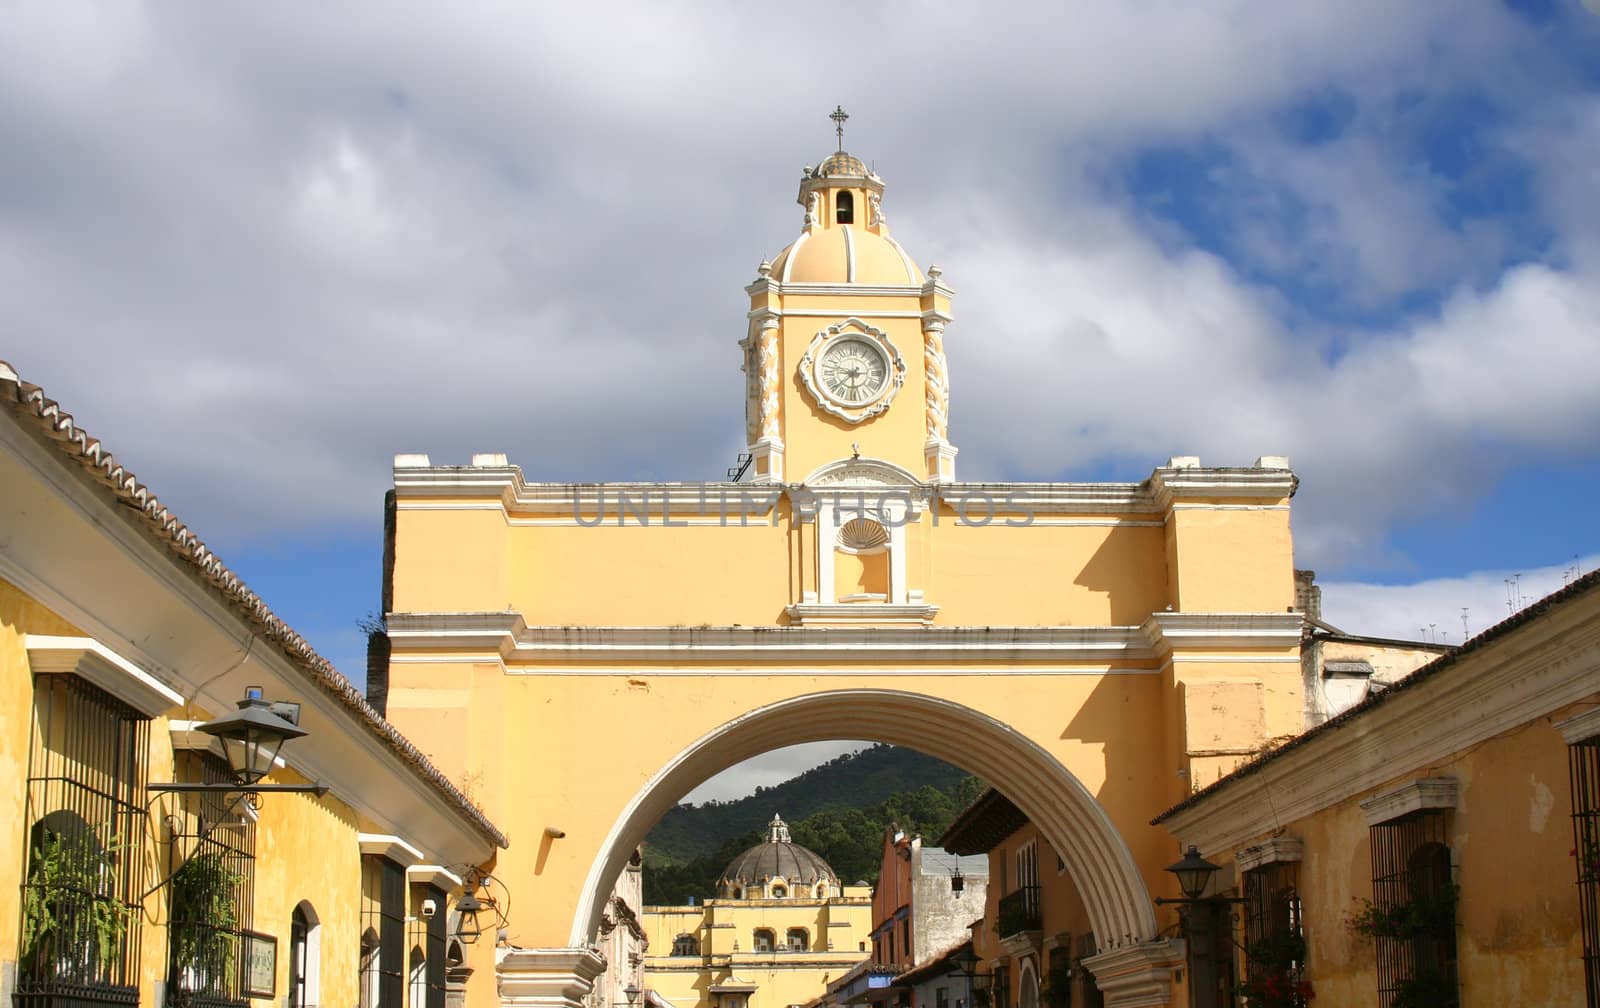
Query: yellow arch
1099, 861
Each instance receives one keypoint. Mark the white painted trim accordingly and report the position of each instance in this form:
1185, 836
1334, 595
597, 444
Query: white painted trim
808, 671
1113, 891
1412, 796
1581, 727
392, 847
434, 875
93, 661
506, 634
1277, 850
788, 260
911, 267
877, 614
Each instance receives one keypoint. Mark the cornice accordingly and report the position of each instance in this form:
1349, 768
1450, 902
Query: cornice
836, 289
1182, 631
1277, 850
1138, 975
503, 486
864, 614
1485, 693
1581, 728
392, 847
88, 658
1412, 796
507, 635
435, 875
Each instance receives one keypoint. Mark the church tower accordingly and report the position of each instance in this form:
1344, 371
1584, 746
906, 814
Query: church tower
845, 349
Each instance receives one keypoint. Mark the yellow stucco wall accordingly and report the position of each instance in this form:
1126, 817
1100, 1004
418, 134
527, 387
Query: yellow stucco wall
1518, 935
306, 847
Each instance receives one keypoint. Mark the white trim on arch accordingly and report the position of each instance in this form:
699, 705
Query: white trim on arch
1099, 860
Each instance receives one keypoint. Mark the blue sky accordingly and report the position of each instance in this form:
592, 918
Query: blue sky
259, 254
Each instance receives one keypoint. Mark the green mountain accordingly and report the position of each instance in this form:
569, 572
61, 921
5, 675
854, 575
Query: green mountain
839, 809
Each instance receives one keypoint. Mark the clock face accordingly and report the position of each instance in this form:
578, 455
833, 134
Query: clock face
853, 371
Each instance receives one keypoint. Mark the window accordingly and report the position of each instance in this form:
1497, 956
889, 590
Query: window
305, 947
686, 945
426, 939
383, 888
84, 821
763, 940
1584, 754
1274, 944
941, 997
905, 937
798, 940
779, 892
1058, 981
212, 894
845, 204
1087, 948
1413, 919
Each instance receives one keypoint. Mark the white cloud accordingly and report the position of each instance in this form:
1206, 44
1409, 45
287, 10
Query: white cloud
260, 252
1433, 609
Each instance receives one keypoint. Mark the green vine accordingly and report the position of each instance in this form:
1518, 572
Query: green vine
205, 921
72, 921
1430, 915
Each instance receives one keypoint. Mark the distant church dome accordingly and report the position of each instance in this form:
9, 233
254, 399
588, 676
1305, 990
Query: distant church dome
778, 869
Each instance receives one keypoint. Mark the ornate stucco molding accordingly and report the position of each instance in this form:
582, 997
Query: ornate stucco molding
1137, 975
1412, 796
546, 977
1581, 728
1277, 850
937, 399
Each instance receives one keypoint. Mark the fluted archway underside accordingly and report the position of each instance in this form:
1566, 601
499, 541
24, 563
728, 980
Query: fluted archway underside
1100, 863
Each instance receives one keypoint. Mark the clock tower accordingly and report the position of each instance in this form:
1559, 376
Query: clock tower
845, 350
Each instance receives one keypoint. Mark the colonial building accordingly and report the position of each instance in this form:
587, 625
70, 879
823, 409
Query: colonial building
1033, 932
925, 900
1438, 843
781, 927
151, 854
1094, 649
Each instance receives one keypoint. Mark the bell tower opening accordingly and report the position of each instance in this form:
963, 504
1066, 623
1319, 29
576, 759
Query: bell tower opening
845, 207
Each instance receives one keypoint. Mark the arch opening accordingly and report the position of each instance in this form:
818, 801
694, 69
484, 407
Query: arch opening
1097, 858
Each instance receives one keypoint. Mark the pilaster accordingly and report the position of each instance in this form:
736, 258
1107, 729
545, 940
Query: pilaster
546, 977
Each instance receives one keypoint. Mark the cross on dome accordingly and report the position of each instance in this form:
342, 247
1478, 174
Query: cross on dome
839, 115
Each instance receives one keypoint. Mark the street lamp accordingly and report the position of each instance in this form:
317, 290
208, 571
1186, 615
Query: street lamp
631, 992
1194, 873
476, 900
252, 737
958, 881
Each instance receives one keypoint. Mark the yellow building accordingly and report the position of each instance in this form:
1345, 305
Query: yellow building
1094, 650
132, 870
780, 928
1422, 847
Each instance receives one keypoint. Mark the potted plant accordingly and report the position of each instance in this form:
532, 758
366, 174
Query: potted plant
72, 921
1274, 980
205, 924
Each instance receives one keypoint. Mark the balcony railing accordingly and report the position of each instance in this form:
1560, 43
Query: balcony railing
1019, 912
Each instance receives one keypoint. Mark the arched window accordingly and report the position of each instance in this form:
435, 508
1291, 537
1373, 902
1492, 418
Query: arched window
305, 957
763, 940
686, 945
798, 940
845, 207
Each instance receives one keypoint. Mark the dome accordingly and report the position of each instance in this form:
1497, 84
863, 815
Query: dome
747, 875
846, 254
842, 164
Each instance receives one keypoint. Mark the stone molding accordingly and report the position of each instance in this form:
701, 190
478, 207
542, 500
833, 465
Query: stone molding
91, 660
1137, 975
546, 977
468, 636
862, 613
417, 480
1412, 796
1581, 728
434, 875
392, 847
1277, 850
